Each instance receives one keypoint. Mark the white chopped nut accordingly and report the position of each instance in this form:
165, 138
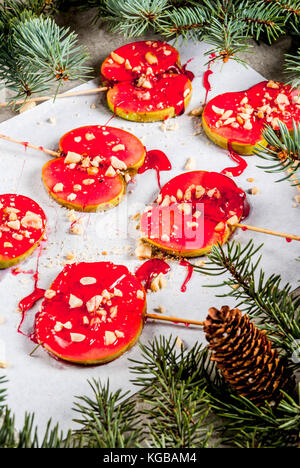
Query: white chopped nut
52, 120
217, 110
16, 236
272, 84
77, 229
14, 225
190, 164
50, 293
10, 209
94, 303
220, 227
179, 343
7, 245
140, 294
113, 311
85, 320
179, 194
75, 302
229, 121
143, 251
119, 334
77, 188
151, 58
159, 282
58, 188
117, 58
118, 164
77, 337
32, 220
227, 114
128, 65
58, 327
200, 191
110, 338
233, 220
248, 125
119, 147
254, 190
72, 197
110, 172
88, 181
118, 293
72, 158
185, 208
77, 139
89, 136
88, 280
68, 325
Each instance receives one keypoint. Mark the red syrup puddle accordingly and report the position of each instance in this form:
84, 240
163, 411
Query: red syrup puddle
28, 302
240, 168
156, 160
206, 82
190, 269
151, 268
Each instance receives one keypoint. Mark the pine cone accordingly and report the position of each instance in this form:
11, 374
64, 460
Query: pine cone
246, 358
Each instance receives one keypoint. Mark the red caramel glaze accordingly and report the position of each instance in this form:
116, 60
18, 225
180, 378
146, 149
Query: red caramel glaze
256, 98
158, 161
135, 53
92, 142
240, 168
16, 243
167, 91
150, 269
82, 337
174, 230
190, 271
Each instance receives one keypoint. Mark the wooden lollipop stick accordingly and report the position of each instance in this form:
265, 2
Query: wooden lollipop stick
174, 320
29, 145
63, 95
267, 231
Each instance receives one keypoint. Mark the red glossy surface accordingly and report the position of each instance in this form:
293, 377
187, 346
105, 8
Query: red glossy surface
261, 102
120, 311
158, 161
15, 243
193, 230
135, 53
241, 163
167, 90
92, 142
190, 271
150, 269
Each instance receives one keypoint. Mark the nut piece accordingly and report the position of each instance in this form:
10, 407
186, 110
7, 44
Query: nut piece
118, 164
50, 293
110, 338
151, 58
75, 302
140, 294
58, 188
190, 164
72, 158
220, 227
233, 220
94, 303
88, 280
110, 172
77, 337
32, 220
159, 282
143, 250
117, 58
14, 225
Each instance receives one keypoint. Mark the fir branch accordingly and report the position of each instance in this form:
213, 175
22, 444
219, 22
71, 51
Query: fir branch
175, 394
292, 69
50, 51
186, 22
282, 151
272, 305
131, 17
108, 419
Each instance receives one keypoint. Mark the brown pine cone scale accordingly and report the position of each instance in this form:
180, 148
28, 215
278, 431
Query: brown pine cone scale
246, 358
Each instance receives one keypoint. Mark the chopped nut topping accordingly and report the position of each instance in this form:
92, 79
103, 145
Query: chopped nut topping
77, 188
190, 164
128, 65
151, 58
88, 181
32, 220
58, 188
220, 227
140, 294
72, 158
233, 220
14, 225
118, 148
72, 197
94, 303
254, 190
88, 280
75, 302
77, 337
159, 282
227, 114
273, 84
8, 245
110, 172
185, 208
119, 334
217, 110
89, 136
50, 293
117, 58
200, 191
110, 338
117, 163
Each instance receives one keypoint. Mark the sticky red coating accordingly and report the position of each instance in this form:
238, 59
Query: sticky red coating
240, 117
147, 81
85, 185
187, 225
22, 226
98, 336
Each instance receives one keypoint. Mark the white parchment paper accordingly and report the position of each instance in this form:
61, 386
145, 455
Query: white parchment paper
46, 386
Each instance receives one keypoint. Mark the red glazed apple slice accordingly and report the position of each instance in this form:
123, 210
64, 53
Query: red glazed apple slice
22, 226
195, 211
239, 118
92, 313
90, 175
148, 83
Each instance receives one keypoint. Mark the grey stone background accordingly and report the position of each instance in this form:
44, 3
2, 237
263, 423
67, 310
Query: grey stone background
264, 59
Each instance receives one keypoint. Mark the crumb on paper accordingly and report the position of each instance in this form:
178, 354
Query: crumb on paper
197, 112
2, 320
190, 164
52, 120
160, 310
179, 343
254, 191
143, 250
158, 283
27, 106
4, 364
297, 198
251, 180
